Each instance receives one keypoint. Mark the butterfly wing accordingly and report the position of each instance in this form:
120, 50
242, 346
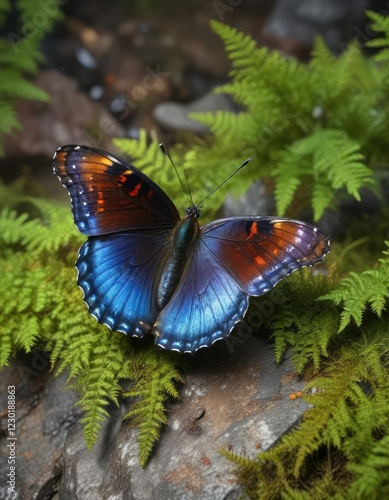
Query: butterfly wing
204, 308
128, 219
234, 258
109, 196
118, 274
258, 252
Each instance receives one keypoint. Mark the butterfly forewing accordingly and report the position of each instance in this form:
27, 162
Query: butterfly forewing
109, 196
258, 252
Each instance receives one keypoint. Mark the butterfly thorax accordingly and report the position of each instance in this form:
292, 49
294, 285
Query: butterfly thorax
184, 237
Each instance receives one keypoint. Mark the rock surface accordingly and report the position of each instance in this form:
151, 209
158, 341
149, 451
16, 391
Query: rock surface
234, 398
45, 413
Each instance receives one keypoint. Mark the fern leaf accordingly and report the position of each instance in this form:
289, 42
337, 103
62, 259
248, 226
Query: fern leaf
288, 173
380, 24
100, 380
240, 47
12, 85
8, 119
159, 376
372, 473
359, 290
335, 162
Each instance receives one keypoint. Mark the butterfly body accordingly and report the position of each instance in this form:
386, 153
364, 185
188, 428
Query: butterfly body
184, 238
143, 269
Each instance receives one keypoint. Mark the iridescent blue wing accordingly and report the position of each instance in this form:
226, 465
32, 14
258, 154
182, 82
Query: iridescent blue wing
204, 308
109, 196
118, 274
129, 219
234, 258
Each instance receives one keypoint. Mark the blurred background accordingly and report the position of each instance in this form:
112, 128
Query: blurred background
112, 68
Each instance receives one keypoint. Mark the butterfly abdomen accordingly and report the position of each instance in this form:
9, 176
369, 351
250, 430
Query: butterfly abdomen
184, 237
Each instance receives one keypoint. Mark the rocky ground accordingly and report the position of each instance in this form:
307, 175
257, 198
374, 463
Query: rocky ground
234, 398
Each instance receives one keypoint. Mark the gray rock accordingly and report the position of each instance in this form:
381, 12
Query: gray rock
303, 20
45, 413
246, 408
234, 398
255, 201
175, 116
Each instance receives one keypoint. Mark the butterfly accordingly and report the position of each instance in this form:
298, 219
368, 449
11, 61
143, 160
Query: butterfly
144, 269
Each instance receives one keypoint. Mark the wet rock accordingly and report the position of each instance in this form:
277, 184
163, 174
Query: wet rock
302, 20
256, 200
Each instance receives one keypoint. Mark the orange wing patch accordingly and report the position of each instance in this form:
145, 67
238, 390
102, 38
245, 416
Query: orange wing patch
100, 203
260, 261
134, 192
253, 231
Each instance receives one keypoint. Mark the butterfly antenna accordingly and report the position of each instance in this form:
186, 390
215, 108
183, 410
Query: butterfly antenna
225, 180
166, 152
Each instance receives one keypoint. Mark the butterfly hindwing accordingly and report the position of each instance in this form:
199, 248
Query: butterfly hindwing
109, 196
118, 275
204, 308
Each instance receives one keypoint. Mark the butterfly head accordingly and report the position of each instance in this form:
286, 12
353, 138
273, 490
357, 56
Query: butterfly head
193, 212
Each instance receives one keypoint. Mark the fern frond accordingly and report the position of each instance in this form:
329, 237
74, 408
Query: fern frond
299, 321
36, 234
380, 24
290, 170
8, 121
356, 291
372, 473
335, 162
158, 380
99, 379
239, 47
13, 85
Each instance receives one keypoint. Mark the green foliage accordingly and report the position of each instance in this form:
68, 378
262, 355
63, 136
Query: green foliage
317, 131
357, 290
41, 305
301, 322
380, 23
339, 448
336, 163
20, 55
